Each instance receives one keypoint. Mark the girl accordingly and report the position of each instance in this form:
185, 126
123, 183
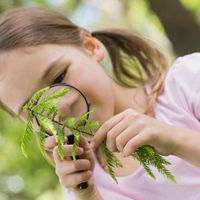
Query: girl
143, 102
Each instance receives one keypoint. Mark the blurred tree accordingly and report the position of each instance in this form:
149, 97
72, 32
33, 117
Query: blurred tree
180, 25
5, 4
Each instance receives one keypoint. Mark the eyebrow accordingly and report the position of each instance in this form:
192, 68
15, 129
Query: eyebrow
46, 73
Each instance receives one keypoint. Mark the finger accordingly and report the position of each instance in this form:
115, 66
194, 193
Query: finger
68, 167
55, 155
50, 143
114, 133
83, 142
89, 155
67, 151
88, 152
128, 134
135, 143
101, 133
73, 180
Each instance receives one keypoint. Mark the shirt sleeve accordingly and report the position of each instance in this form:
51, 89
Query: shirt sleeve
185, 79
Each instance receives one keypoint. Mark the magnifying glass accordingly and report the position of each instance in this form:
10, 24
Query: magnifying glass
72, 104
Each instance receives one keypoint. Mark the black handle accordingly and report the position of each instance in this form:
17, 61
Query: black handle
70, 140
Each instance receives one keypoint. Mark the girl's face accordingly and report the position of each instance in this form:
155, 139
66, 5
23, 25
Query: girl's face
23, 72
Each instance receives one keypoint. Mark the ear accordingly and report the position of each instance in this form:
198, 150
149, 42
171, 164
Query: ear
93, 47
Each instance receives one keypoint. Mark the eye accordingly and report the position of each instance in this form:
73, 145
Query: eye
60, 78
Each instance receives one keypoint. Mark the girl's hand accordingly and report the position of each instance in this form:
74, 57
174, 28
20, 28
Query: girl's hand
68, 169
128, 130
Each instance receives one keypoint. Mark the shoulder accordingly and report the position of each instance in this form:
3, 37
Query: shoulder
185, 69
188, 63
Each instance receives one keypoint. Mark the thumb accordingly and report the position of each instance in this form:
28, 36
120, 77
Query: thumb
50, 143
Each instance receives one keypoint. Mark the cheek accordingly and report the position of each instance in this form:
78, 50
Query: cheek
101, 97
91, 80
97, 88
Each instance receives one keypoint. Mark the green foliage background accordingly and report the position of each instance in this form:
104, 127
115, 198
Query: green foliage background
38, 177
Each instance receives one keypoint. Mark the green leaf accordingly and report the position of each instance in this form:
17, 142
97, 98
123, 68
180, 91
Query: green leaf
52, 112
25, 108
49, 101
42, 140
89, 127
40, 108
69, 122
32, 102
47, 124
61, 137
26, 139
148, 156
76, 142
55, 95
111, 160
82, 119
143, 161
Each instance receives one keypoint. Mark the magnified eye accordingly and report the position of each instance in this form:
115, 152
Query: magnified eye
61, 77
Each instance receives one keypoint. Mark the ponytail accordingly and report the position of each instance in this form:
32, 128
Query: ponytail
135, 61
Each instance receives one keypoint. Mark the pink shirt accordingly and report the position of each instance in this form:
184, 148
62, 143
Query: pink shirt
179, 105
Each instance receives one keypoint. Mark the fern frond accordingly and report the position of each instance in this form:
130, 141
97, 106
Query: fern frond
144, 162
69, 122
159, 163
77, 135
111, 160
47, 124
42, 140
49, 102
26, 138
51, 113
55, 95
89, 127
61, 137
40, 108
81, 120
148, 156
33, 101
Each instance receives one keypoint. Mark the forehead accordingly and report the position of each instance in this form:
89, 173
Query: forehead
21, 70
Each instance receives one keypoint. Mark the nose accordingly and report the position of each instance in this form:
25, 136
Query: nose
64, 106
70, 105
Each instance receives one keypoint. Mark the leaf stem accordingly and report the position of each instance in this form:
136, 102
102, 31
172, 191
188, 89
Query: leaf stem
73, 128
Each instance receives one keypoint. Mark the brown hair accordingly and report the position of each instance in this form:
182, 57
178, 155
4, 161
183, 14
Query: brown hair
135, 60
